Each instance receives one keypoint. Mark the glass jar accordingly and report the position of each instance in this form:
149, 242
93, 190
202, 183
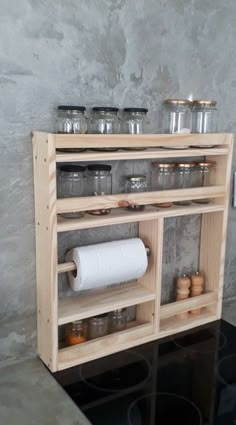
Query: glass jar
98, 326
163, 178
117, 320
71, 183
135, 184
184, 178
104, 120
204, 116
99, 182
205, 174
71, 119
77, 332
135, 121
176, 116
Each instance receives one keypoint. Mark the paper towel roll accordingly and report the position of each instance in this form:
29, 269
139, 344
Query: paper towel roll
107, 263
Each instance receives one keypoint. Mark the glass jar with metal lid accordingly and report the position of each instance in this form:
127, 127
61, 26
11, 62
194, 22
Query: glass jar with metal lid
71, 119
204, 116
135, 121
163, 178
104, 120
99, 182
134, 184
117, 320
176, 116
98, 326
184, 178
205, 176
76, 332
71, 182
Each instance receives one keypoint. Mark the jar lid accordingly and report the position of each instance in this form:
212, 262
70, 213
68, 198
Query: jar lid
71, 108
202, 102
136, 178
164, 164
177, 102
105, 109
206, 164
144, 110
186, 164
72, 168
99, 167
77, 322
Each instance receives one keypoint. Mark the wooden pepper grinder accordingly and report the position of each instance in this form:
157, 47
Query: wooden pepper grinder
183, 285
197, 288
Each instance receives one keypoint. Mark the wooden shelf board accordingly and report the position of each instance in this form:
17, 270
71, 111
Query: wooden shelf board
119, 216
170, 310
87, 203
70, 141
135, 335
109, 299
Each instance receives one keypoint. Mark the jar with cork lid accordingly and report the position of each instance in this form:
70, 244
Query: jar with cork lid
176, 116
163, 178
204, 116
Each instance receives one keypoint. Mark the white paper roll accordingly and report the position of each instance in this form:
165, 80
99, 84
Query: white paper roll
107, 263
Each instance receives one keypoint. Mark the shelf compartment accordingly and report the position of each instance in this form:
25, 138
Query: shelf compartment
103, 301
137, 333
70, 141
88, 203
120, 216
170, 310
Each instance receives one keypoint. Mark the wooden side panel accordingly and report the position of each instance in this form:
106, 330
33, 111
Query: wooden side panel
46, 247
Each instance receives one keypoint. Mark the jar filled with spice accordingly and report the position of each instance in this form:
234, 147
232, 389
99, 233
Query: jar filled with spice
184, 178
204, 176
117, 320
135, 121
98, 326
176, 116
135, 184
163, 178
71, 183
204, 116
99, 182
71, 119
76, 332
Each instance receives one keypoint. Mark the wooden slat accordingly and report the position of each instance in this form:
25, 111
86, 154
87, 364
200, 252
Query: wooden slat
170, 310
114, 201
63, 157
119, 216
173, 325
143, 140
94, 349
98, 302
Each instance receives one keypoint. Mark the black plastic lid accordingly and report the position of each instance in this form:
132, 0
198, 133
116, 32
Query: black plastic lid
99, 167
145, 110
71, 108
105, 109
72, 168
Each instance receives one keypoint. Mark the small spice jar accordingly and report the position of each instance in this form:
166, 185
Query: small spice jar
71, 119
184, 178
176, 116
99, 182
163, 178
104, 120
77, 332
135, 184
117, 320
98, 326
135, 121
204, 176
71, 182
204, 116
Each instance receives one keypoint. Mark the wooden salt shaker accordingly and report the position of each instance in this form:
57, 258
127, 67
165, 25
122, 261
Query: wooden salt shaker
183, 285
197, 289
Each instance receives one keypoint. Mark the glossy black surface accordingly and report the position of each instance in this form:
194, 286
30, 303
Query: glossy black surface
188, 379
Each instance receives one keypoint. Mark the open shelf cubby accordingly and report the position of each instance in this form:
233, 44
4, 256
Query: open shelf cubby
153, 320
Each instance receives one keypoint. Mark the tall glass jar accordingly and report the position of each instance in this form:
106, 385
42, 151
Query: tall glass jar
104, 120
98, 326
71, 183
76, 332
135, 121
71, 119
205, 175
204, 116
99, 182
117, 320
176, 116
135, 184
184, 178
163, 178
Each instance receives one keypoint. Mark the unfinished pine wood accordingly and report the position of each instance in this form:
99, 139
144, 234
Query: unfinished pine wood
140, 140
94, 349
46, 247
119, 216
136, 155
66, 267
88, 203
98, 302
170, 310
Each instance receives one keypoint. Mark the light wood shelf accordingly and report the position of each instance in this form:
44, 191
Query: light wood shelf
153, 321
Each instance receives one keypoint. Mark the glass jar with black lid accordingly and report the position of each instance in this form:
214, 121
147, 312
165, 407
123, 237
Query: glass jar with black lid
99, 183
71, 119
135, 121
104, 120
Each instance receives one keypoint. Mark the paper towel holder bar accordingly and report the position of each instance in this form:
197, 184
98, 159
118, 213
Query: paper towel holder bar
70, 266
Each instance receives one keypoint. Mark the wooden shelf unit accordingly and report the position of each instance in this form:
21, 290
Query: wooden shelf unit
153, 321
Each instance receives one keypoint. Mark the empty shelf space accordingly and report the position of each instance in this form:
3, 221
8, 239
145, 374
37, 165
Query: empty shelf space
83, 306
170, 310
137, 333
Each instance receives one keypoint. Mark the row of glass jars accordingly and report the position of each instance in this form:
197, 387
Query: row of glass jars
95, 327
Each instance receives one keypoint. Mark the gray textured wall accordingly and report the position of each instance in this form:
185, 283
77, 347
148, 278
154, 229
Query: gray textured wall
98, 52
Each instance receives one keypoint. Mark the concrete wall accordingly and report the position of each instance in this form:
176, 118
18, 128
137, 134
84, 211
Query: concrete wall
117, 52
